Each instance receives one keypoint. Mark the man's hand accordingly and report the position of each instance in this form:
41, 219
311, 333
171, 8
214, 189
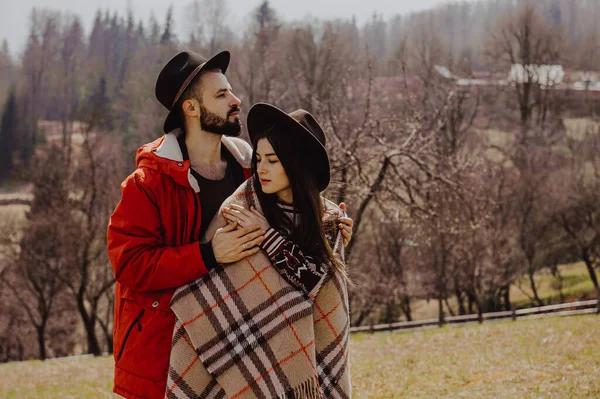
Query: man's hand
230, 244
346, 225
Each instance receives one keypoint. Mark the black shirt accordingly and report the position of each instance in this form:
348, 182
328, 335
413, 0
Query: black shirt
213, 193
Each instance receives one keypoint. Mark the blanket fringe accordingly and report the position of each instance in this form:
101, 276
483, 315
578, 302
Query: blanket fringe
307, 390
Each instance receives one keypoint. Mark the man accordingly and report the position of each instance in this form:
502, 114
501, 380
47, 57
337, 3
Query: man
166, 205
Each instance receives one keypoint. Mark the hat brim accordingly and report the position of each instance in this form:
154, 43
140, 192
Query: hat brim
218, 61
263, 116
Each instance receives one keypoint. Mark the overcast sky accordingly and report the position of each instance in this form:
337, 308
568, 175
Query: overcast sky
14, 14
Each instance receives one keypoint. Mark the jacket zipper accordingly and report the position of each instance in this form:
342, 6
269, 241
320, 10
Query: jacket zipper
194, 235
136, 321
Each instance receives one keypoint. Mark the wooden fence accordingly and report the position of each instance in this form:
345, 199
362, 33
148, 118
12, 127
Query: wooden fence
563, 309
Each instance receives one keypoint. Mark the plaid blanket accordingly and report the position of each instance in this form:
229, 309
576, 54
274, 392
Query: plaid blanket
243, 331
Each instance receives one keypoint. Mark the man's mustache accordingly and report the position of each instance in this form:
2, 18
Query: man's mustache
232, 110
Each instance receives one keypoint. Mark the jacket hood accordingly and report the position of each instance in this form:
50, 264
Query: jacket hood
164, 156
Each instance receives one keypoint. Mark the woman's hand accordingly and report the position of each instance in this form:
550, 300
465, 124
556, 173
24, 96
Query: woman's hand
346, 225
244, 218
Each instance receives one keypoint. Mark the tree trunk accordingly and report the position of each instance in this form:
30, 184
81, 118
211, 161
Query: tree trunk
89, 323
448, 307
92, 339
533, 287
389, 312
406, 308
363, 206
343, 186
506, 289
460, 301
479, 309
20, 349
104, 325
556, 273
471, 302
590, 268
364, 313
441, 311
41, 333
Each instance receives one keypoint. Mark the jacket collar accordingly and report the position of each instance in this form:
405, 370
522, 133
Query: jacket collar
169, 150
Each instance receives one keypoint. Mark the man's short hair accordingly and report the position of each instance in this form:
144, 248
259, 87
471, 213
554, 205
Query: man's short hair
194, 90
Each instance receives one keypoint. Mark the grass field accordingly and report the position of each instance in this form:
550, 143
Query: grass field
547, 358
576, 285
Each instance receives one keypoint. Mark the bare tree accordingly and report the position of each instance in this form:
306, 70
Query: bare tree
71, 57
578, 210
393, 274
39, 55
87, 273
34, 254
259, 72
317, 56
524, 42
208, 22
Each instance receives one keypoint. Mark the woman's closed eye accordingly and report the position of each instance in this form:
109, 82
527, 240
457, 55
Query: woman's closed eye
268, 160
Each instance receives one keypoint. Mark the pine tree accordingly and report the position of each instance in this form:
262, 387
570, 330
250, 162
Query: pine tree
7, 69
154, 29
265, 15
168, 36
140, 34
96, 40
99, 108
8, 132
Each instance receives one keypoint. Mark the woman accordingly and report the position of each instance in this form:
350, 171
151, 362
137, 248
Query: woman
290, 171
258, 334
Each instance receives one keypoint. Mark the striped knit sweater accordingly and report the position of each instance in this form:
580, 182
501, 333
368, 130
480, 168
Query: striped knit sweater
301, 270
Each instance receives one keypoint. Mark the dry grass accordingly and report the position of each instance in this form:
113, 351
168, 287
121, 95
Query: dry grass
64, 379
10, 191
548, 358
577, 128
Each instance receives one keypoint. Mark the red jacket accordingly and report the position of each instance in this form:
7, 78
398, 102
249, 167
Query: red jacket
152, 244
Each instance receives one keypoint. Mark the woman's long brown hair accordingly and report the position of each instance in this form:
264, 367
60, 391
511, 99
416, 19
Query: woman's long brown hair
308, 230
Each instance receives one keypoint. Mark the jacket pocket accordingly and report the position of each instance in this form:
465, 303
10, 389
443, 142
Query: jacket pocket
137, 322
143, 339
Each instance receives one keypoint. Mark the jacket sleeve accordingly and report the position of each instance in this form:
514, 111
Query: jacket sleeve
139, 257
300, 270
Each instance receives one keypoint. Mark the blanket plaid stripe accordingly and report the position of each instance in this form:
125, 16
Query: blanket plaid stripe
243, 331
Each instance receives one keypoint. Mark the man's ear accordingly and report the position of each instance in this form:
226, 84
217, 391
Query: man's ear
191, 107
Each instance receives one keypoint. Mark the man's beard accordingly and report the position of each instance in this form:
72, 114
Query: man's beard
213, 123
